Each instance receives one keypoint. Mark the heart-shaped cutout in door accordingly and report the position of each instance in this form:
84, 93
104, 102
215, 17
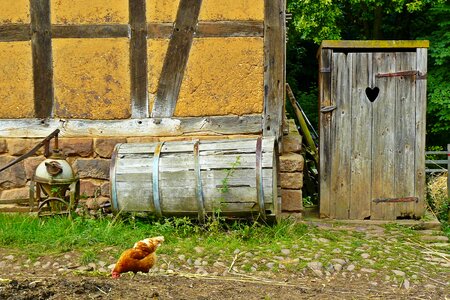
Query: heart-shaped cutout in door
372, 94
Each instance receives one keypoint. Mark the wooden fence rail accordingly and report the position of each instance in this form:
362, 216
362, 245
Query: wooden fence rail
439, 165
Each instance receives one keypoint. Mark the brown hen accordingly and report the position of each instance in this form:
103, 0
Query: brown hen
140, 258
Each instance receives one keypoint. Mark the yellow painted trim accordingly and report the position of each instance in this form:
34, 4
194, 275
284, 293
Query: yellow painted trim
375, 44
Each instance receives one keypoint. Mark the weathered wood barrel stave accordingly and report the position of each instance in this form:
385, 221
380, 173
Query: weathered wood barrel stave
237, 178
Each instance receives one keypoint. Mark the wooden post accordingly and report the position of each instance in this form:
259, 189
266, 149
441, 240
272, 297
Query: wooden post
176, 59
274, 49
41, 46
138, 59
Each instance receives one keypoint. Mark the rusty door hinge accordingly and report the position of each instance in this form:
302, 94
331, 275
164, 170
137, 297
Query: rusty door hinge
395, 200
418, 75
327, 109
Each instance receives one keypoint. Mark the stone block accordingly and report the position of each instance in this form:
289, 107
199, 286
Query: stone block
31, 164
291, 200
291, 180
292, 143
3, 146
14, 176
92, 168
76, 146
105, 146
21, 146
89, 188
96, 203
18, 193
291, 162
105, 189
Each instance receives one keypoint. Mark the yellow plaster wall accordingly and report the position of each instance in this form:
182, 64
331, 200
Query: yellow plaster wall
92, 78
89, 11
16, 80
211, 10
14, 11
223, 76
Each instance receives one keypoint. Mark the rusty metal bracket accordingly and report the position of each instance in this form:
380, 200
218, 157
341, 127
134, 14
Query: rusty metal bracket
259, 179
198, 178
45, 142
416, 74
155, 178
396, 200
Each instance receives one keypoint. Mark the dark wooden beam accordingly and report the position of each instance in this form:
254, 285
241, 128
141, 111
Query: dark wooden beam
41, 46
15, 32
138, 59
212, 29
90, 31
274, 60
22, 32
194, 126
176, 59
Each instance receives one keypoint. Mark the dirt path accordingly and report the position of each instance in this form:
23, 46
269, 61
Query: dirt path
202, 287
335, 273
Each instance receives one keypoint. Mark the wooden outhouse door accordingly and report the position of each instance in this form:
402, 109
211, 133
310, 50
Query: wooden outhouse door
372, 128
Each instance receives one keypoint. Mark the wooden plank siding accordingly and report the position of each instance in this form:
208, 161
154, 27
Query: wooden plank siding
383, 131
361, 137
325, 64
274, 58
42, 58
405, 133
421, 108
341, 131
176, 58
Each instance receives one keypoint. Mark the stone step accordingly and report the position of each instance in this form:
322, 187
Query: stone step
440, 245
434, 238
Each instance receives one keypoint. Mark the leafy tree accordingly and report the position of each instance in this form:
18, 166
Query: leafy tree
438, 117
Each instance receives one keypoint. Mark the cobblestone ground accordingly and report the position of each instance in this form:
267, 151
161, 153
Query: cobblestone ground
389, 264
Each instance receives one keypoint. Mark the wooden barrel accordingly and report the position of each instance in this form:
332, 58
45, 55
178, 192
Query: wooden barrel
195, 178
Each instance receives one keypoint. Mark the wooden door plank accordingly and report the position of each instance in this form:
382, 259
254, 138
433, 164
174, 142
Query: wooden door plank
421, 100
176, 59
361, 140
383, 133
341, 135
405, 131
324, 133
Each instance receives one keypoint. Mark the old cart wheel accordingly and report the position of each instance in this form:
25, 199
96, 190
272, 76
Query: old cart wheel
53, 206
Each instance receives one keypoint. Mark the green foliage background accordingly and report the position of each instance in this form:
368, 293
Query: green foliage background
316, 20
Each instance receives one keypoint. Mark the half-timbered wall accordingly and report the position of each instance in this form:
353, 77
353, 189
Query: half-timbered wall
141, 64
116, 71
